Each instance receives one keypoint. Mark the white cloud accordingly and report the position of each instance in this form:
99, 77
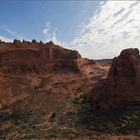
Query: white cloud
113, 27
47, 28
5, 39
51, 35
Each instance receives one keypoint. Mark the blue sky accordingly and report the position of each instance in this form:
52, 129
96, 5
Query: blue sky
97, 29
28, 18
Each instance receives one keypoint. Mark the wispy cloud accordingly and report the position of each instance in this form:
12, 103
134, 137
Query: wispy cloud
13, 33
47, 28
51, 35
3, 38
113, 27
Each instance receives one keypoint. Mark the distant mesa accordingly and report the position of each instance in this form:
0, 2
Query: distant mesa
122, 86
35, 53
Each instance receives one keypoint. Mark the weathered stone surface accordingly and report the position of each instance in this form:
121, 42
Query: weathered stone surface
122, 86
31, 55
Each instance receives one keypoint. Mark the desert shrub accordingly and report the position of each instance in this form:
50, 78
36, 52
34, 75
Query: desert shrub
3, 133
52, 133
19, 116
123, 120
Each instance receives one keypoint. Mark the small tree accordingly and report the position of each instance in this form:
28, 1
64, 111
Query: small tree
33, 41
0, 41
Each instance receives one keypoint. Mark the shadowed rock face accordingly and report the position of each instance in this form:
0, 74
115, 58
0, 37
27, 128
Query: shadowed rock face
33, 54
122, 86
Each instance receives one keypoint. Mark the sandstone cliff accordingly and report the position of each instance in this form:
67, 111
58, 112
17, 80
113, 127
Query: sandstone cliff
28, 56
122, 86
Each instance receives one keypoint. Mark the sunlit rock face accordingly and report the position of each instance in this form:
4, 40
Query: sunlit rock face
122, 86
33, 55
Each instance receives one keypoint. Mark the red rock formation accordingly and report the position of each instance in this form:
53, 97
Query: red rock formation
35, 54
122, 86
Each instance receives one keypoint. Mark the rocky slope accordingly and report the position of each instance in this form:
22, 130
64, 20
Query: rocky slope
23, 58
122, 86
27, 67
49, 96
